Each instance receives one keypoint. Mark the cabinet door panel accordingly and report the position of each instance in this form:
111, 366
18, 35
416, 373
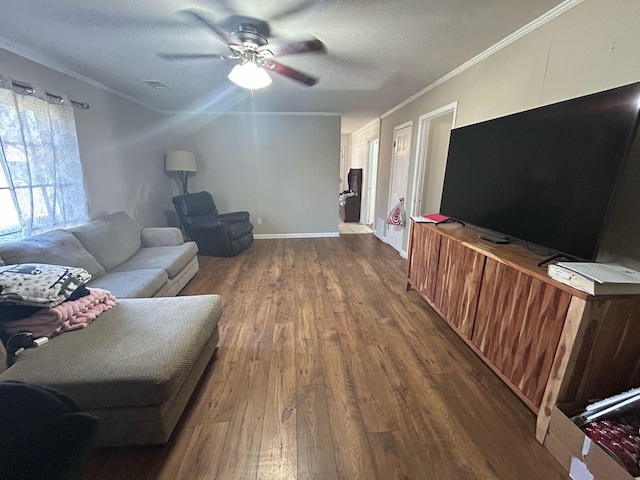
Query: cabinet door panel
500, 289
518, 326
458, 284
423, 264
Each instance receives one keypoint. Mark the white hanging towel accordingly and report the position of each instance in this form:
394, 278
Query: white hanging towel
397, 215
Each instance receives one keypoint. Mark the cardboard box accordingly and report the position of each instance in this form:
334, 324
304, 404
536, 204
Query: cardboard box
582, 458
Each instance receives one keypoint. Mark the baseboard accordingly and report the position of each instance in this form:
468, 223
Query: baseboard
262, 236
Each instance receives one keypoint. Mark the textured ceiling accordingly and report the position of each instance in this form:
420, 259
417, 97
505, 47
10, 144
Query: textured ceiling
380, 52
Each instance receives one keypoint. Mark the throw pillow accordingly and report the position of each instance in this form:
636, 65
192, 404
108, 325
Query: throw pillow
38, 284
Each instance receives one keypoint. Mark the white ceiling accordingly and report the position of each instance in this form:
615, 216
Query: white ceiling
380, 52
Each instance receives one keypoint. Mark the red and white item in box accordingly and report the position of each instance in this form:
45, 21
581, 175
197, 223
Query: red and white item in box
620, 438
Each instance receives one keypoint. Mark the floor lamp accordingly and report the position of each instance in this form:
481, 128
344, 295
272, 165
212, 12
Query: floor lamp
182, 162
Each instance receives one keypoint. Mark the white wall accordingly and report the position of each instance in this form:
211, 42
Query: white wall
345, 162
281, 168
359, 156
590, 47
359, 144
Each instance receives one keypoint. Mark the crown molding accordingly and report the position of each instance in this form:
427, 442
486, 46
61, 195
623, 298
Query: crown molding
540, 21
372, 124
34, 57
537, 23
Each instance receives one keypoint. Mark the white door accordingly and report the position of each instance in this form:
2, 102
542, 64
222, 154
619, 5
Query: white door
399, 178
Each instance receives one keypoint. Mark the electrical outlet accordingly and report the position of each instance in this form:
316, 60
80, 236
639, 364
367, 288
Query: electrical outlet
259, 220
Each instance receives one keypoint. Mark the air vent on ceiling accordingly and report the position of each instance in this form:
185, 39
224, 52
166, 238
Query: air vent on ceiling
156, 84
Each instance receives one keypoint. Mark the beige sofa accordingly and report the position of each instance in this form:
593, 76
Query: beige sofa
136, 366
121, 257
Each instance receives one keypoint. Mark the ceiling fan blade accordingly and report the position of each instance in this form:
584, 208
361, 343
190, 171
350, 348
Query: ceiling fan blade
195, 56
291, 73
280, 49
214, 28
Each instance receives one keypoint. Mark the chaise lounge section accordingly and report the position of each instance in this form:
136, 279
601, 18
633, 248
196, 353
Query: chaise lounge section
136, 366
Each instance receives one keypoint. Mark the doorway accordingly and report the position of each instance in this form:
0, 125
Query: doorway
371, 175
434, 132
399, 179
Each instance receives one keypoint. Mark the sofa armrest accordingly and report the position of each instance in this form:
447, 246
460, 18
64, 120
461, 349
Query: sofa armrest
235, 217
161, 237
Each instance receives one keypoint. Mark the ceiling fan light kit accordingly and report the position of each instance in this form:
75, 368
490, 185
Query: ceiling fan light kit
249, 75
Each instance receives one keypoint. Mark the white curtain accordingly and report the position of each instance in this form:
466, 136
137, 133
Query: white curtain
41, 185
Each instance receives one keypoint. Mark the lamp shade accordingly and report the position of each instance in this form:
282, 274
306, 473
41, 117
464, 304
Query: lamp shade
180, 161
249, 75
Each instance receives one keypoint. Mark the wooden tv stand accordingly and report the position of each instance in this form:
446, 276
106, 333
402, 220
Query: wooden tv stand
548, 342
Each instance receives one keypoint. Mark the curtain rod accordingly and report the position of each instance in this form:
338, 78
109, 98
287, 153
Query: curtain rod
59, 99
27, 89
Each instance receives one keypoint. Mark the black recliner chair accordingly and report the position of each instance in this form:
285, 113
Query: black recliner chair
217, 235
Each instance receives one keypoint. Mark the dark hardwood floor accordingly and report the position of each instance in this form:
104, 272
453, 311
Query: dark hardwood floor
328, 369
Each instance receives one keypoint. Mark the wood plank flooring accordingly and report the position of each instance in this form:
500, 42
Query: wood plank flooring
328, 369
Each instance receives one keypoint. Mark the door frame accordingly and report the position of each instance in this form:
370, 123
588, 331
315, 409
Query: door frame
422, 147
402, 252
372, 177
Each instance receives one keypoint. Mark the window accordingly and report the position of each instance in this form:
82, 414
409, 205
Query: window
41, 185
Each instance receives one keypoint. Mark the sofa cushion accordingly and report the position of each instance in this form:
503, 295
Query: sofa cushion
111, 240
57, 247
172, 259
39, 285
135, 283
138, 353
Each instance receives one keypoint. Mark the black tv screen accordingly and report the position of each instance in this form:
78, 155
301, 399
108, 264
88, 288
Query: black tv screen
547, 175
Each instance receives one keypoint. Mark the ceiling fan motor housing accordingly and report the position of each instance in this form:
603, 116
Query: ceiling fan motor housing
248, 34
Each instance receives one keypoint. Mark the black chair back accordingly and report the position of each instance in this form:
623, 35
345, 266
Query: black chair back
195, 207
220, 235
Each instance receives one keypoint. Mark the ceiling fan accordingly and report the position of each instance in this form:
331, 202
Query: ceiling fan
254, 55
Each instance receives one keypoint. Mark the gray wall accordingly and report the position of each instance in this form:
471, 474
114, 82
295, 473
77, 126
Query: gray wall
281, 168
284, 169
121, 144
591, 47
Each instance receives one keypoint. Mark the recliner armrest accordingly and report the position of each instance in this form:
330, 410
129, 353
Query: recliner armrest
235, 217
206, 227
161, 237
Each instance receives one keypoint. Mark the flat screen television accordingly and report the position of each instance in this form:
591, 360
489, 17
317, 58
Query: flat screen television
546, 176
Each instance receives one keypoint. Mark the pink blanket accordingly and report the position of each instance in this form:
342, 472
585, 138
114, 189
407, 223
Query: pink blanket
70, 315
